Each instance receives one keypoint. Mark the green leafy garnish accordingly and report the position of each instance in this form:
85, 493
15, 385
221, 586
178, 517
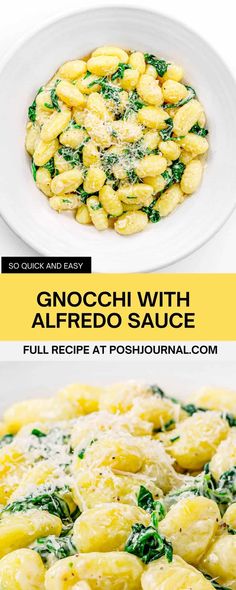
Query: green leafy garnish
96, 206
192, 409
32, 108
52, 502
160, 65
87, 75
158, 514
34, 170
38, 433
174, 174
82, 451
153, 215
174, 438
148, 544
82, 194
108, 90
135, 103
167, 132
145, 499
120, 71
54, 98
60, 547
191, 95
199, 130
50, 167
132, 176
166, 426
74, 157
6, 440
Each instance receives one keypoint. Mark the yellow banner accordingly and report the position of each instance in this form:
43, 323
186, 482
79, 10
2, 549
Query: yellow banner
157, 307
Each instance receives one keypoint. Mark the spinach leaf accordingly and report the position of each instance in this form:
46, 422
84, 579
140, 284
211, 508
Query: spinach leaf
32, 107
52, 502
82, 194
54, 98
174, 174
74, 157
6, 440
82, 452
50, 167
199, 130
148, 544
132, 176
153, 215
108, 90
166, 426
120, 71
181, 103
135, 103
145, 499
160, 65
230, 419
192, 409
167, 132
87, 75
61, 547
38, 433
158, 514
34, 170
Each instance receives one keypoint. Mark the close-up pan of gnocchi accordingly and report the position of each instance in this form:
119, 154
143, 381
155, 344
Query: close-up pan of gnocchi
117, 137
120, 487
127, 126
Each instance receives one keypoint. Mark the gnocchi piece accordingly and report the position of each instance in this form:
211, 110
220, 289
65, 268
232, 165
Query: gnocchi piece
230, 516
170, 149
110, 201
153, 117
186, 117
90, 154
83, 216
43, 181
97, 130
157, 183
137, 61
127, 130
103, 65
97, 104
70, 95
120, 397
199, 437
155, 410
84, 398
174, 72
67, 182
151, 166
61, 164
55, 125
37, 409
71, 70
169, 200
164, 575
131, 222
92, 487
130, 79
22, 569
149, 90
73, 137
66, 202
219, 560
106, 527
151, 140
95, 424
190, 526
97, 213
110, 571
135, 194
87, 85
192, 176
225, 457
12, 468
173, 91
18, 530
216, 398
32, 137
44, 151
110, 50
41, 473
194, 144
95, 179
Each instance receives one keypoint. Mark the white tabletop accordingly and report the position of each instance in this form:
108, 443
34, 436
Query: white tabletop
207, 18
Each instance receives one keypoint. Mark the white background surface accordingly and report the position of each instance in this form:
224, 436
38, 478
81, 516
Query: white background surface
214, 22
21, 381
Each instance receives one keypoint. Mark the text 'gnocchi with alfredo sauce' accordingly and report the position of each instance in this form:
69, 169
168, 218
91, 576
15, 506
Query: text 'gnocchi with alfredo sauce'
117, 138
119, 488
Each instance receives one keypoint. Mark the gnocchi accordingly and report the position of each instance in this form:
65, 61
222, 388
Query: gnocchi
118, 488
108, 123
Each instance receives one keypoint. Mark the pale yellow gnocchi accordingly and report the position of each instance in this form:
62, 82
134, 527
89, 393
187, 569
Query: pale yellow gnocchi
122, 134
118, 488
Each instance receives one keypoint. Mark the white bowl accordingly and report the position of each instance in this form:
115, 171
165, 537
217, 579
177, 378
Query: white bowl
26, 210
